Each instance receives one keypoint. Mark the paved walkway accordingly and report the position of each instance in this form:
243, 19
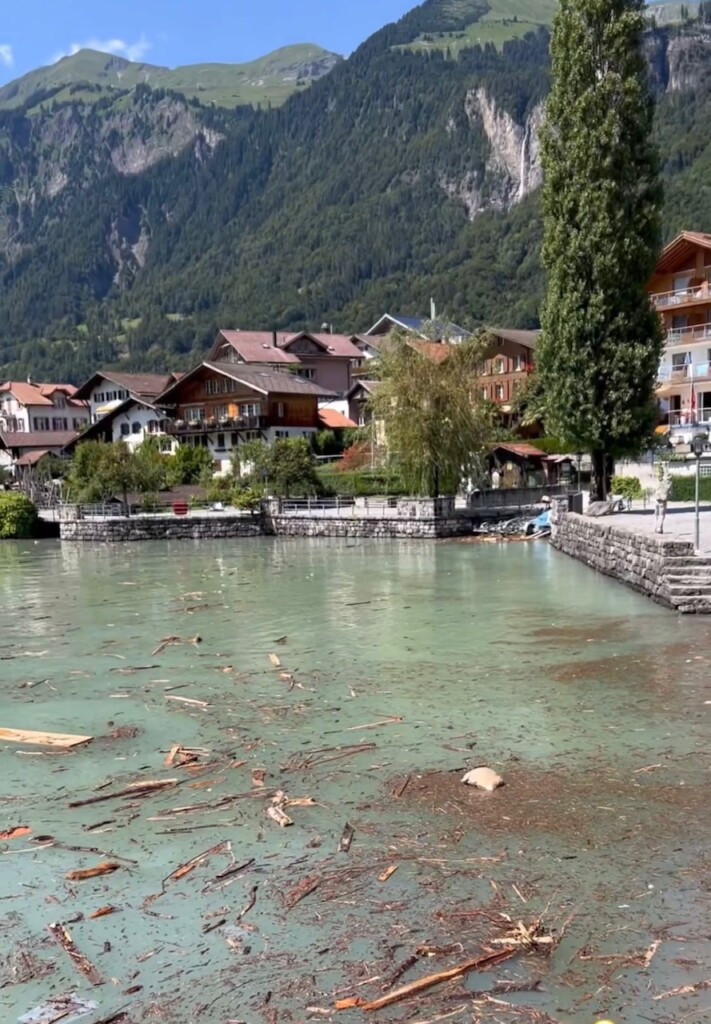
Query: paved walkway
678, 523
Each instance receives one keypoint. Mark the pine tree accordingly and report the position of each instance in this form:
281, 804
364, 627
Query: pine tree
599, 352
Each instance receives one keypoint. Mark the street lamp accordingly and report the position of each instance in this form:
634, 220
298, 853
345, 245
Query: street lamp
578, 460
698, 445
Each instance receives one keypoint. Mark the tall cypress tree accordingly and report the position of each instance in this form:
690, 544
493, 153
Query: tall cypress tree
599, 352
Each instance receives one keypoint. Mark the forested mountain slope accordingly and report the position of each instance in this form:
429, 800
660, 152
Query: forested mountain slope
131, 227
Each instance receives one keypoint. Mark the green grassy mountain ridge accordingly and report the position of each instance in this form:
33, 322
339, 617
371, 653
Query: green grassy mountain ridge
132, 226
89, 75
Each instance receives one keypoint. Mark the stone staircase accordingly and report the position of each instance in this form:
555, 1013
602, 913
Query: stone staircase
687, 581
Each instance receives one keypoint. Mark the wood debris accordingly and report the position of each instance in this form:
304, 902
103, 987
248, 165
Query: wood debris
18, 832
374, 725
60, 934
80, 875
300, 892
276, 662
277, 815
422, 984
43, 739
346, 838
103, 912
258, 777
388, 873
525, 937
684, 990
171, 641
135, 789
192, 701
181, 756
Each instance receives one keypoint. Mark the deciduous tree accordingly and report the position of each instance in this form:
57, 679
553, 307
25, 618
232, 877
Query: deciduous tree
599, 353
434, 420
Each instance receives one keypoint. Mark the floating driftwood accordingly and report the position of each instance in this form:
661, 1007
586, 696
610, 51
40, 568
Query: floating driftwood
60, 934
43, 739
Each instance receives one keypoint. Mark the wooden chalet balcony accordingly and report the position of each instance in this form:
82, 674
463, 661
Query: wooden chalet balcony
694, 295
688, 335
181, 427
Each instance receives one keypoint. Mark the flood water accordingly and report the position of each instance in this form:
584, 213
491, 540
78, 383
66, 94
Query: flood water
592, 703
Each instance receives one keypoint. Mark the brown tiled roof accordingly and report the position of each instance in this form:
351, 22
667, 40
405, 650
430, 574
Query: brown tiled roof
269, 380
436, 351
526, 338
338, 344
31, 458
146, 384
258, 347
525, 450
679, 246
334, 420
37, 438
371, 386
26, 394
262, 378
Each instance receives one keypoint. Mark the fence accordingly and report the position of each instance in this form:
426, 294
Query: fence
517, 497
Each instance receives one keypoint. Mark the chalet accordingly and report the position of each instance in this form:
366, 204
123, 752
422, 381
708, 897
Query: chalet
106, 389
359, 397
221, 405
325, 359
509, 363
40, 408
22, 450
680, 289
132, 421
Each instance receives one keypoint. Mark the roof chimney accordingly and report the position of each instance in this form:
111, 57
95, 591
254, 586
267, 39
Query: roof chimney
274, 339
29, 378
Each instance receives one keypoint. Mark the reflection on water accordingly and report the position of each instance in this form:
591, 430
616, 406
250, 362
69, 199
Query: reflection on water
589, 700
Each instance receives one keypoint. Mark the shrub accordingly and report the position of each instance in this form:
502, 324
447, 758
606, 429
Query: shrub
683, 488
248, 500
17, 516
627, 487
361, 484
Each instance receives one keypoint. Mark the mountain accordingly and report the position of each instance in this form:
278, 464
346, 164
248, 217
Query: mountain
89, 75
133, 225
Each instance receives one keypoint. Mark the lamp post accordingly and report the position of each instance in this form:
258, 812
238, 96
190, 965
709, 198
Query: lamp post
578, 460
697, 446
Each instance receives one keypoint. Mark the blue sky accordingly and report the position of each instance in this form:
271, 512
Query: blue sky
171, 32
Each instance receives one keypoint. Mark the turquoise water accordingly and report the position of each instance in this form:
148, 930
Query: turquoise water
591, 702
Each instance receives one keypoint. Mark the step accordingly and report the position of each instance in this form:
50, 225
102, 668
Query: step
677, 561
693, 606
691, 590
688, 576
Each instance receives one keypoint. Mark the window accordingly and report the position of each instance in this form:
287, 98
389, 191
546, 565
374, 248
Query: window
195, 414
220, 441
281, 434
500, 392
79, 423
220, 412
212, 387
485, 394
306, 372
500, 366
234, 438
60, 402
153, 426
250, 409
125, 430
58, 423
519, 363
135, 427
280, 410
680, 360
40, 423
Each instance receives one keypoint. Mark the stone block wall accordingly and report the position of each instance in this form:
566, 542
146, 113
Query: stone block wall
638, 559
373, 528
160, 528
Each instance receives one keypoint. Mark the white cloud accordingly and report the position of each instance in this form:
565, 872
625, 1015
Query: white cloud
119, 47
7, 58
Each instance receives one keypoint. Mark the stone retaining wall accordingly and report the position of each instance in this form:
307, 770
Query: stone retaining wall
635, 558
155, 528
380, 529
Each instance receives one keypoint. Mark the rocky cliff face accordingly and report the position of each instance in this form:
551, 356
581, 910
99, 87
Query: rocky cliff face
679, 60
58, 151
513, 164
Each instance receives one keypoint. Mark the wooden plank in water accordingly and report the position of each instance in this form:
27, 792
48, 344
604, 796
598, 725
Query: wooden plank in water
42, 739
